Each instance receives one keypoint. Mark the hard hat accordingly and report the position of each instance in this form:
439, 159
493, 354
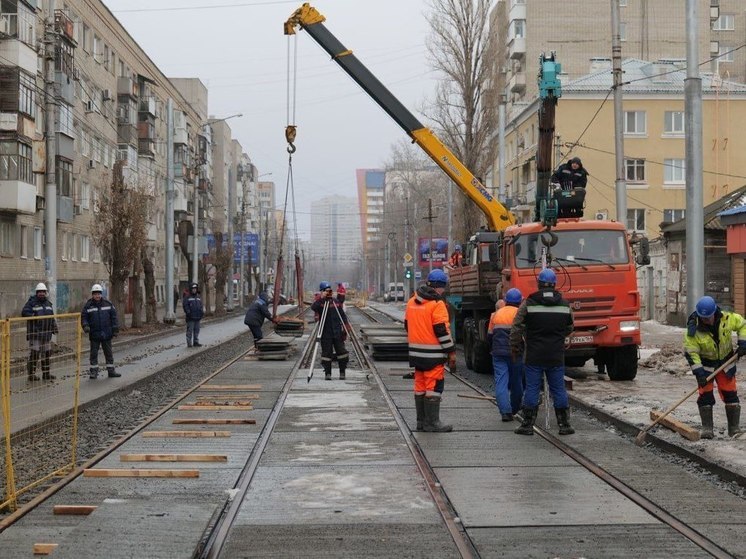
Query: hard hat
457, 247
513, 296
264, 297
40, 287
194, 286
97, 288
706, 307
437, 277
547, 277
324, 285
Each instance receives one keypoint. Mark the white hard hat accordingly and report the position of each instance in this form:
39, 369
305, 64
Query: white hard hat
97, 287
40, 287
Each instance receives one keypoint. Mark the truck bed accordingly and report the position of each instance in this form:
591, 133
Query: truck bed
472, 281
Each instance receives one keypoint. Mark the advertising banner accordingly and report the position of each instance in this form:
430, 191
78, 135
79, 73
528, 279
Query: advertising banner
250, 241
440, 252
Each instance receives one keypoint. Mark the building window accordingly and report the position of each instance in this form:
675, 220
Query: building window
74, 244
636, 219
635, 123
725, 54
6, 238
726, 22
622, 3
85, 35
24, 241
635, 170
85, 248
519, 28
64, 176
37, 243
85, 143
65, 246
98, 50
85, 195
96, 254
15, 162
674, 122
96, 148
65, 116
675, 171
669, 216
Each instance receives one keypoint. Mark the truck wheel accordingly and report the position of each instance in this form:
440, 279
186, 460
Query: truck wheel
621, 363
468, 354
482, 359
575, 362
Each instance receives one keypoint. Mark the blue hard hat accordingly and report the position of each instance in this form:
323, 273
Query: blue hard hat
706, 307
513, 296
547, 277
437, 276
264, 297
457, 247
324, 285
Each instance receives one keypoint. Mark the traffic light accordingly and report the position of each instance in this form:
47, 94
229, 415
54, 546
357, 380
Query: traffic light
408, 273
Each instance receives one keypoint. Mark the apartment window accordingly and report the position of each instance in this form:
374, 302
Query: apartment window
86, 38
519, 28
85, 248
96, 148
85, 195
6, 238
622, 3
635, 122
636, 219
673, 122
635, 170
15, 162
64, 176
96, 254
24, 241
726, 22
74, 243
675, 171
14, 80
65, 115
37, 243
85, 141
725, 54
669, 216
97, 48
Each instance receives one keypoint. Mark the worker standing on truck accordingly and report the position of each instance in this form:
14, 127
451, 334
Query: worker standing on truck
542, 323
430, 349
508, 371
456, 258
707, 345
571, 175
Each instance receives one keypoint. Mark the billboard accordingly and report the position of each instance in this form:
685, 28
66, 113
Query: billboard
440, 252
250, 240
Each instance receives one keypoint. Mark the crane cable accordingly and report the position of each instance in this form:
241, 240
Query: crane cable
290, 129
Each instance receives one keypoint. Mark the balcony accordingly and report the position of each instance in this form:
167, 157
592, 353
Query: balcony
181, 204
146, 131
64, 25
16, 53
152, 232
146, 147
180, 128
517, 48
127, 86
65, 210
517, 83
148, 105
127, 134
17, 197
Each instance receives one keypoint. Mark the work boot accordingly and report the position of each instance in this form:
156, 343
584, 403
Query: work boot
113, 373
419, 405
506, 417
30, 369
47, 376
327, 371
527, 425
432, 422
93, 373
341, 373
563, 421
197, 344
705, 412
733, 413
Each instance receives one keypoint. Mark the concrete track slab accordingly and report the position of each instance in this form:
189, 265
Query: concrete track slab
341, 541
19, 542
483, 497
338, 449
211, 445
607, 541
338, 495
336, 419
272, 379
730, 537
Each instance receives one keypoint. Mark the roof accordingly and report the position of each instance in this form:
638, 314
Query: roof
712, 212
640, 76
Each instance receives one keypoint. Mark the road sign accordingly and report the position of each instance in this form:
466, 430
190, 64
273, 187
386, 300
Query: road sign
409, 264
418, 275
408, 257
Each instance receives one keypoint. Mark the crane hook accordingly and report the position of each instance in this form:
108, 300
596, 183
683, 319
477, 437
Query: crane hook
290, 132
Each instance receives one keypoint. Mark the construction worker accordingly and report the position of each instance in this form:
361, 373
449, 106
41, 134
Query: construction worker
193, 313
255, 315
508, 372
99, 320
571, 174
334, 333
341, 292
456, 259
430, 349
39, 333
707, 345
542, 323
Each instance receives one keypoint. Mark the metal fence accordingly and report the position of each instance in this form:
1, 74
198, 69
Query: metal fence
39, 384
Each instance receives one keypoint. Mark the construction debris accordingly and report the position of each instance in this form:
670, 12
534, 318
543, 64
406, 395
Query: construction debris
670, 359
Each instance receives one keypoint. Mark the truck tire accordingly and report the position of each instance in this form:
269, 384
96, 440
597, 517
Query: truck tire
575, 362
621, 363
482, 359
468, 355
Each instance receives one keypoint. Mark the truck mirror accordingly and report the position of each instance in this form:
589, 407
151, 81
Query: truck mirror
643, 252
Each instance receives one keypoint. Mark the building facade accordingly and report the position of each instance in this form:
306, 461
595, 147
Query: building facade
335, 238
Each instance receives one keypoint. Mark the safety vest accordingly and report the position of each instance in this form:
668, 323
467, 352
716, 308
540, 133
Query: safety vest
702, 349
428, 332
500, 325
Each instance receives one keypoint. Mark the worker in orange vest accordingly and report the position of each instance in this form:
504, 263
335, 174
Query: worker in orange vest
508, 371
456, 258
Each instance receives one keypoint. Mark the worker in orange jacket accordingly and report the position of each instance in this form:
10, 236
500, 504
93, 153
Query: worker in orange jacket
508, 371
430, 349
456, 259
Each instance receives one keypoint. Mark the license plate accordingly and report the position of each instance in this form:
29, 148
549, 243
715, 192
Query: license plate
577, 340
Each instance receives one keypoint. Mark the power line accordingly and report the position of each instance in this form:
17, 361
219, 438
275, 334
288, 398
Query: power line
207, 7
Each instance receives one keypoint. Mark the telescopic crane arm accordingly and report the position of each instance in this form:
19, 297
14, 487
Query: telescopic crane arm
308, 18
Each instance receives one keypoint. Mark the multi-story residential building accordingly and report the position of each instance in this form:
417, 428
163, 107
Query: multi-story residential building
654, 143
267, 228
370, 197
335, 236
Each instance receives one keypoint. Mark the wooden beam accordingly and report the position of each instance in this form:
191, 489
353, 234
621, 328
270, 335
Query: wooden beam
82, 510
220, 402
212, 397
476, 397
214, 422
186, 434
230, 387
681, 428
188, 407
173, 458
112, 472
44, 548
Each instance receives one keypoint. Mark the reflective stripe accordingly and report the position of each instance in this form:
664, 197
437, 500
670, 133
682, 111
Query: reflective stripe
559, 309
427, 355
424, 346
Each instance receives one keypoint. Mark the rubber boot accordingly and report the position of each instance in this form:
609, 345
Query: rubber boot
419, 404
327, 370
432, 422
30, 366
45, 374
342, 369
527, 425
93, 373
705, 412
733, 413
563, 421
112, 372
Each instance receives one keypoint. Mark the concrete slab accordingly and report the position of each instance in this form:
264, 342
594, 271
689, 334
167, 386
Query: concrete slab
487, 497
338, 495
336, 419
338, 449
18, 543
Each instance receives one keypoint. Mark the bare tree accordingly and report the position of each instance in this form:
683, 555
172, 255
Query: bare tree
222, 258
119, 230
464, 109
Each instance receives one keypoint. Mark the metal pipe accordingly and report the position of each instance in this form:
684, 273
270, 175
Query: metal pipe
50, 188
616, 55
500, 156
170, 317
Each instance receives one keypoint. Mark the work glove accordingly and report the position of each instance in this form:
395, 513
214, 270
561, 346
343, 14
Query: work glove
115, 332
452, 361
741, 350
87, 329
701, 375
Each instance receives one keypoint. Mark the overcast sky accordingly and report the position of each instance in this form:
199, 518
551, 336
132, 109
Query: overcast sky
240, 54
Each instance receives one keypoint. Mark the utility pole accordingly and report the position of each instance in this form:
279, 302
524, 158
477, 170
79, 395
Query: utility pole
616, 55
500, 156
242, 264
231, 217
406, 248
50, 189
169, 317
430, 217
695, 241
557, 150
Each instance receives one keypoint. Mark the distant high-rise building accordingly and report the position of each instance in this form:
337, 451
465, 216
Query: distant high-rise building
335, 238
370, 189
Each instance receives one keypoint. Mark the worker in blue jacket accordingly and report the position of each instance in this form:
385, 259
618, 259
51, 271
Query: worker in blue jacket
39, 332
257, 312
99, 320
193, 313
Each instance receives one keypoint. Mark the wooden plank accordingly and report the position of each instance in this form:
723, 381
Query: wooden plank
44, 548
682, 429
81, 510
220, 402
476, 397
172, 458
230, 387
186, 434
214, 421
113, 472
228, 397
187, 407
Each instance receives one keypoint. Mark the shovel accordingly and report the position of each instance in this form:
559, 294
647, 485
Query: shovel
640, 439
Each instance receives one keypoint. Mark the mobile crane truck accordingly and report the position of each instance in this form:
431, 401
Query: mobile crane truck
593, 259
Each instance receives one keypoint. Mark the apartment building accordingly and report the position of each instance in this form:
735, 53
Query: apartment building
335, 237
370, 189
